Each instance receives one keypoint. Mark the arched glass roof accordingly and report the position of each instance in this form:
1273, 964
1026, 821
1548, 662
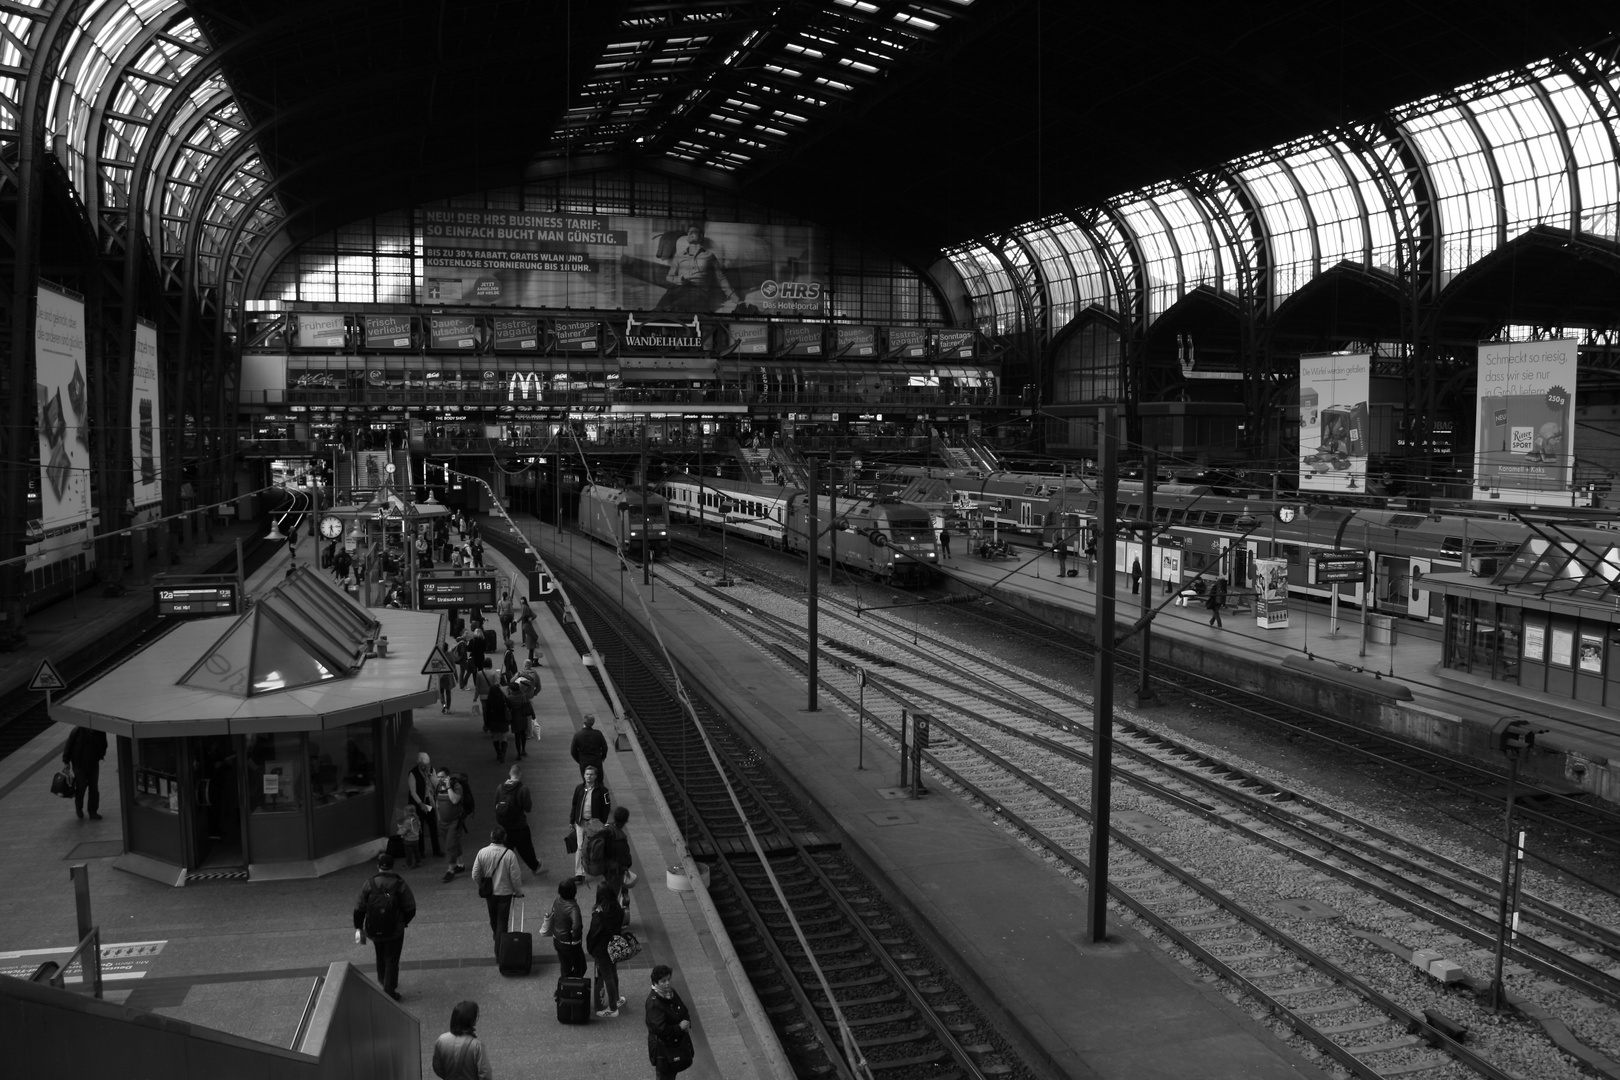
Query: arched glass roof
1484, 164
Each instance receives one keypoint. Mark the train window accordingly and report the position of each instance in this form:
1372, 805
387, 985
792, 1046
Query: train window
1133, 510
1292, 552
1228, 519
1091, 506
1161, 513
1178, 517
1451, 547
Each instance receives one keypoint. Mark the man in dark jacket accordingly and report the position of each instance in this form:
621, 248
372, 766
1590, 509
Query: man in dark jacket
84, 750
419, 789
512, 805
589, 747
384, 921
588, 812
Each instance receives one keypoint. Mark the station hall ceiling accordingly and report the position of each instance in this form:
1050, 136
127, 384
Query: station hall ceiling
915, 123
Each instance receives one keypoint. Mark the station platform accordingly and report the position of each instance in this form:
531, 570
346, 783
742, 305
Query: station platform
242, 957
1121, 1010
1450, 709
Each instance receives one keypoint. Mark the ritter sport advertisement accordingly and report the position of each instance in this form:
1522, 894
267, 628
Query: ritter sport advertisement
517, 258
1524, 446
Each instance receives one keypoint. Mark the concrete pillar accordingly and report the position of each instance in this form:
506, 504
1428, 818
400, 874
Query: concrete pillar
137, 551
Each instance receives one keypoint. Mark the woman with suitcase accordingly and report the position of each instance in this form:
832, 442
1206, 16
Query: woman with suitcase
567, 931
607, 919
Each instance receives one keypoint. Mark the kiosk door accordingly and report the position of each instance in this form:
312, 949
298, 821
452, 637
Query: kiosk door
214, 803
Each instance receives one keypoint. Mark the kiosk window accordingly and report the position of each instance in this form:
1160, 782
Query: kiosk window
157, 774
276, 769
357, 765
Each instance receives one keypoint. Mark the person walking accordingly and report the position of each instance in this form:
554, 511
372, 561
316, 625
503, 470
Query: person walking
520, 705
447, 799
607, 919
458, 1055
531, 635
419, 789
589, 746
1136, 576
616, 872
1217, 600
497, 717
591, 803
568, 932
385, 908
945, 541
497, 865
512, 805
669, 1026
503, 612
462, 657
84, 751
447, 685
509, 664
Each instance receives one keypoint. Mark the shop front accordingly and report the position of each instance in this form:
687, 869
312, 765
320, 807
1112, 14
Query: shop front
267, 745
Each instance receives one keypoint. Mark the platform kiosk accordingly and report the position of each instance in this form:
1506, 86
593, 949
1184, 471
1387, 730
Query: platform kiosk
267, 745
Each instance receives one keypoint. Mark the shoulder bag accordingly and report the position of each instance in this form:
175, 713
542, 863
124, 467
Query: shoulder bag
486, 887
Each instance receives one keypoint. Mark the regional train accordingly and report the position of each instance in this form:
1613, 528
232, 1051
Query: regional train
619, 515
889, 539
1202, 533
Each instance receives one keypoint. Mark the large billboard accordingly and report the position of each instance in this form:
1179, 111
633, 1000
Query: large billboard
62, 410
514, 258
145, 417
1524, 444
1333, 417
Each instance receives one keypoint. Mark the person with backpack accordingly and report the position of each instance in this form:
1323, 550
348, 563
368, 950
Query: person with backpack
449, 806
588, 812
458, 1054
531, 636
607, 919
462, 657
566, 928
497, 716
512, 805
520, 703
503, 612
496, 876
385, 908
616, 872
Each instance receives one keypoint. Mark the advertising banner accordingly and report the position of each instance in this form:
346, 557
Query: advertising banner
577, 336
1524, 445
516, 335
387, 331
748, 339
855, 341
321, 332
1271, 593
62, 419
144, 413
908, 343
1333, 418
956, 344
658, 333
564, 260
800, 340
452, 333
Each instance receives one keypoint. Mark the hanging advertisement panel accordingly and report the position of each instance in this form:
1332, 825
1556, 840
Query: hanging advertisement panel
563, 260
322, 331
1524, 444
1333, 416
62, 411
145, 448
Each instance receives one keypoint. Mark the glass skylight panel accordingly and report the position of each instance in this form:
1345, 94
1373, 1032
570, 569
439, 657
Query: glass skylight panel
1091, 284
1340, 233
1529, 156
1593, 148
1164, 278
1462, 181
1055, 271
1201, 263
1293, 257
1382, 218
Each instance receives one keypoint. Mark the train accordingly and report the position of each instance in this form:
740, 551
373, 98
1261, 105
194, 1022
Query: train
616, 515
889, 539
1202, 534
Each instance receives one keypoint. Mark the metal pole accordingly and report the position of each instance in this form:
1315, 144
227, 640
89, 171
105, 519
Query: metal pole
1366, 586
1102, 735
860, 722
815, 581
1497, 991
1144, 692
646, 518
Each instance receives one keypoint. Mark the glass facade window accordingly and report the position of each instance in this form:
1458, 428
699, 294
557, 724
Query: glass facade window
1160, 258
278, 772
157, 774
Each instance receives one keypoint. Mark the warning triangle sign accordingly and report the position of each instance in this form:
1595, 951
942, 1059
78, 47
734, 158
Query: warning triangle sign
437, 663
46, 678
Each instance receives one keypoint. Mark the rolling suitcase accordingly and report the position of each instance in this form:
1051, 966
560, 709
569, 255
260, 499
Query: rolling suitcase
574, 1000
516, 953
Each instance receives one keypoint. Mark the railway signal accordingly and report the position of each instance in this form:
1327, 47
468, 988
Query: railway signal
1514, 736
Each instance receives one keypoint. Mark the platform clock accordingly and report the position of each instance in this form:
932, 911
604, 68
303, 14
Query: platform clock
331, 527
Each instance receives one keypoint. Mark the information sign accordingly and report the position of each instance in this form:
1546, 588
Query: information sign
466, 590
195, 601
1334, 567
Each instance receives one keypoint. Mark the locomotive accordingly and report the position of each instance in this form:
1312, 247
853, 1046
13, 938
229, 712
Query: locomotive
887, 538
1198, 531
616, 515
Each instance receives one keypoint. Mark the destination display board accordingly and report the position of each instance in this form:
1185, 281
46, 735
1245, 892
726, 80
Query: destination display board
1339, 566
195, 601
464, 591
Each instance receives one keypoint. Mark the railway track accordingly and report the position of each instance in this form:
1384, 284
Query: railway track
906, 1017
1006, 747
22, 712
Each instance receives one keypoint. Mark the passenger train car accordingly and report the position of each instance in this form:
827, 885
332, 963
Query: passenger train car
1199, 532
889, 539
611, 514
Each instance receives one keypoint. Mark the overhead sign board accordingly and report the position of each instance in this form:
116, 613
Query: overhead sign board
452, 591
1339, 566
195, 601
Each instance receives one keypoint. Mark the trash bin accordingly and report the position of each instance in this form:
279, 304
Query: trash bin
1381, 629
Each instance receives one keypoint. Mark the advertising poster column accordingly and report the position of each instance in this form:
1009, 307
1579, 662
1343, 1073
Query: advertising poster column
62, 419
1271, 588
1333, 394
1524, 446
146, 444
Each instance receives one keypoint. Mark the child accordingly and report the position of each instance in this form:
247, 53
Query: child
410, 831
